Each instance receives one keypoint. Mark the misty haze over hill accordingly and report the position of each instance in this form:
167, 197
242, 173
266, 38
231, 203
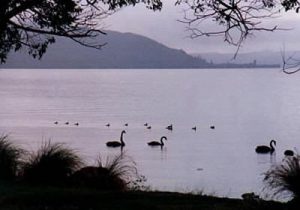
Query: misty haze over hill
128, 51
262, 57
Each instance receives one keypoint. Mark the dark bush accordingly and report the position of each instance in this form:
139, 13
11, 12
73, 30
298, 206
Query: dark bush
10, 159
114, 174
285, 178
52, 164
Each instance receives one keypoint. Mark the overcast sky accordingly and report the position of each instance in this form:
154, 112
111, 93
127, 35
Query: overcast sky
164, 27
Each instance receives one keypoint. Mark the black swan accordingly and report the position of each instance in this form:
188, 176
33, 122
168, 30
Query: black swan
149, 127
266, 149
66, 123
120, 143
126, 124
77, 124
194, 128
289, 153
212, 127
107, 125
156, 143
146, 124
55, 122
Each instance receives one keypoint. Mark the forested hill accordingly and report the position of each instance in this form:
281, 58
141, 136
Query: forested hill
123, 50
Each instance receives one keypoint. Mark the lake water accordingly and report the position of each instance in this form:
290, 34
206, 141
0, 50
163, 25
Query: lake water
247, 108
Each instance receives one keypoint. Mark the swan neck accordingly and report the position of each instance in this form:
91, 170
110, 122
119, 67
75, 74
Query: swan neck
161, 140
121, 138
272, 146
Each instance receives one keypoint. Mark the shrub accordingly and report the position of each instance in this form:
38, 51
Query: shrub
10, 159
285, 178
52, 164
116, 173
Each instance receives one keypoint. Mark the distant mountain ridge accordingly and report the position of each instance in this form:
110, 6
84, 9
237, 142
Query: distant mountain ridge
123, 51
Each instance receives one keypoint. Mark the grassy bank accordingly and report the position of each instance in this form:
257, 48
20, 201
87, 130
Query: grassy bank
13, 197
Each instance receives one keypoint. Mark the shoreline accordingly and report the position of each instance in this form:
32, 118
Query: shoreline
13, 196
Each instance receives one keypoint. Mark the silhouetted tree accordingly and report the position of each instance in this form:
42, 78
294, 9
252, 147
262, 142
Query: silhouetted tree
33, 24
290, 63
235, 20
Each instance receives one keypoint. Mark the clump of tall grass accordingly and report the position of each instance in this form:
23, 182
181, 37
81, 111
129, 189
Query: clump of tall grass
52, 164
117, 173
285, 178
10, 159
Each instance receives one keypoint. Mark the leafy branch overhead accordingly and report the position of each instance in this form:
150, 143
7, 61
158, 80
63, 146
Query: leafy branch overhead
33, 24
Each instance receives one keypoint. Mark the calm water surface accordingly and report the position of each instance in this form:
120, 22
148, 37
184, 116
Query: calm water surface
247, 108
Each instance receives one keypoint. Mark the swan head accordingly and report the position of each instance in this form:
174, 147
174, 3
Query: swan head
163, 137
273, 142
123, 131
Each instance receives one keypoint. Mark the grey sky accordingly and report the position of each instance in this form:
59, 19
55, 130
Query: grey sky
164, 27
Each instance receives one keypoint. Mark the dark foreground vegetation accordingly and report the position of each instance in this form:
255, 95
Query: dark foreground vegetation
55, 177
52, 198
